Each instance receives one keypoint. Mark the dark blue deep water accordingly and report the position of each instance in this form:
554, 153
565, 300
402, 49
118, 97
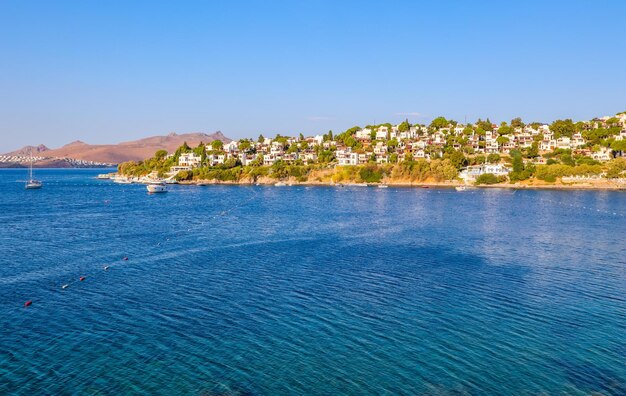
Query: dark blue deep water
319, 290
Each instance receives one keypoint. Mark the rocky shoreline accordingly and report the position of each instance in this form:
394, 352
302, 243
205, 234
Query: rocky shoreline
532, 185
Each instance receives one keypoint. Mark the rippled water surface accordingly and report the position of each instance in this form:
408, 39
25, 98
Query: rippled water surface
300, 290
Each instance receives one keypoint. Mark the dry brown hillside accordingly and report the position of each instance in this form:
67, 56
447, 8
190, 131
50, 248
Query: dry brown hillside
130, 151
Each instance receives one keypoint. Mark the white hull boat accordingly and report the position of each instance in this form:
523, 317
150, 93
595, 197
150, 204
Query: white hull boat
32, 184
156, 188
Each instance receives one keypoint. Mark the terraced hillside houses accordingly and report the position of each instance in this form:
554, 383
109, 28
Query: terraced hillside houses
600, 139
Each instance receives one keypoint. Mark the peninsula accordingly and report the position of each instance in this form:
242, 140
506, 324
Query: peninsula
583, 154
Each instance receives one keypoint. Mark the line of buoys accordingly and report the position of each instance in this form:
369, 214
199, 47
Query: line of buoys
589, 208
125, 258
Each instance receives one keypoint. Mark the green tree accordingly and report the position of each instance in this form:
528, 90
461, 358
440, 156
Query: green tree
370, 174
619, 145
612, 122
160, 154
484, 125
505, 130
493, 158
616, 168
517, 123
517, 161
404, 126
502, 139
457, 159
563, 128
489, 178
439, 122
532, 151
244, 145
217, 145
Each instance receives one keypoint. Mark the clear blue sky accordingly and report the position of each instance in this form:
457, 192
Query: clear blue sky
107, 71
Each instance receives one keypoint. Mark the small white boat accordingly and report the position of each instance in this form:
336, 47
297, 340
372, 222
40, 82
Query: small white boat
383, 186
103, 176
280, 184
156, 188
32, 184
460, 188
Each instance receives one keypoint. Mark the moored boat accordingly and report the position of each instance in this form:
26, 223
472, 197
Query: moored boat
122, 180
32, 184
156, 187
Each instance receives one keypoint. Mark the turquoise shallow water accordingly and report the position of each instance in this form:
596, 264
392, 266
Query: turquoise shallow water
294, 290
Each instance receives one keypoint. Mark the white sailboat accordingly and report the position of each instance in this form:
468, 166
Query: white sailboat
32, 184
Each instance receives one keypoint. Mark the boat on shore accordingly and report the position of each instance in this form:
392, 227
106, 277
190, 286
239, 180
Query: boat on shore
156, 187
119, 179
280, 184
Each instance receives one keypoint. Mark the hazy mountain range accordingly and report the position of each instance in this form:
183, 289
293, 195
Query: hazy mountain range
135, 150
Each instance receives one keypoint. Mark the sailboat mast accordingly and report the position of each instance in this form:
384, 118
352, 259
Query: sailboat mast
30, 171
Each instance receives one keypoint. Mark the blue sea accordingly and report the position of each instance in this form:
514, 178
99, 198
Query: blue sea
259, 290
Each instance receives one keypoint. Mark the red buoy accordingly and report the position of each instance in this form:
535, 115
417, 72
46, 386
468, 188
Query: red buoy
82, 278
28, 303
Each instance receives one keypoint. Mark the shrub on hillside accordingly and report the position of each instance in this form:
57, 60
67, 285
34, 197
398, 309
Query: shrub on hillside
490, 178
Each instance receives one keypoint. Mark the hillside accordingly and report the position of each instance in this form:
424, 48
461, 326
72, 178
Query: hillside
135, 150
27, 150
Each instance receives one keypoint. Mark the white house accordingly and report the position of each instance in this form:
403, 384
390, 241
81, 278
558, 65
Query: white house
215, 159
189, 160
381, 133
472, 172
347, 157
603, 155
231, 147
364, 134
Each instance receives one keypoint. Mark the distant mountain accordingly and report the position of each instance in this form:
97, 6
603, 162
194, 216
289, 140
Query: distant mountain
135, 150
27, 150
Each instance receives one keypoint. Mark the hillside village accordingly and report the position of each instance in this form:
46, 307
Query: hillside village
473, 149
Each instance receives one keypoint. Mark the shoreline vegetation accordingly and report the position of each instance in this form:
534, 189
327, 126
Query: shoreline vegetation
370, 175
561, 155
